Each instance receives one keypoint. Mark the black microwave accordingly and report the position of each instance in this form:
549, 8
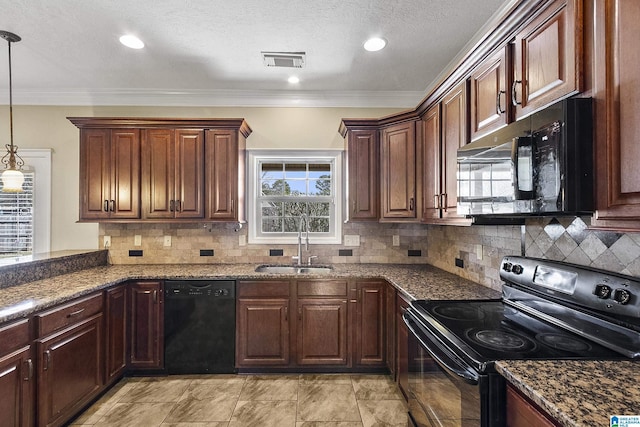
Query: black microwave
539, 165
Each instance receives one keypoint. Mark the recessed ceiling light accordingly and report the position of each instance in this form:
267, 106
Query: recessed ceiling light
131, 41
293, 79
375, 44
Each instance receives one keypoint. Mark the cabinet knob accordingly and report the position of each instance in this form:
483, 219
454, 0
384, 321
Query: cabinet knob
411, 204
172, 205
178, 206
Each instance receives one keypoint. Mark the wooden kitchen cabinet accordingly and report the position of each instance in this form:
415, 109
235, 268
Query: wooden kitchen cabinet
398, 160
225, 174
445, 130
370, 335
116, 326
548, 57
262, 324
390, 327
363, 200
70, 366
617, 91
402, 346
146, 325
109, 174
322, 323
172, 173
522, 413
489, 98
17, 380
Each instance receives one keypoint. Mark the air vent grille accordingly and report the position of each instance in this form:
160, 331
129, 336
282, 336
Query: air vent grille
284, 59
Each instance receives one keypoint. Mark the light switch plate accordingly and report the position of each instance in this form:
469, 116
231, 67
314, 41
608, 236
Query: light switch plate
106, 242
396, 240
167, 241
352, 240
137, 240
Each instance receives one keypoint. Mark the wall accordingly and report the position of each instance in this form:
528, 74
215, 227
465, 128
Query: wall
47, 127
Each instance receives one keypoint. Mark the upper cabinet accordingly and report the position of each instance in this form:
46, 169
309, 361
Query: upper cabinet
140, 169
363, 200
490, 101
399, 158
548, 57
617, 91
109, 174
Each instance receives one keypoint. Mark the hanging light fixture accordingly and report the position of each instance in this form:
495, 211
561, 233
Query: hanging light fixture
12, 177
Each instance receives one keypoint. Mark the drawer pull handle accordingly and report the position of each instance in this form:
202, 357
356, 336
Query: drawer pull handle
514, 101
155, 296
286, 314
29, 363
106, 206
47, 360
75, 313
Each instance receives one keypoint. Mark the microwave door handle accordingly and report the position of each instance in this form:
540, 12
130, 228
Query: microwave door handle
441, 356
519, 142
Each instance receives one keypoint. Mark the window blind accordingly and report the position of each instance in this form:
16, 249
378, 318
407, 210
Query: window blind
16, 220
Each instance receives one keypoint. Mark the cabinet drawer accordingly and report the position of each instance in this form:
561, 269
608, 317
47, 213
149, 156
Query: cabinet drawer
14, 336
263, 288
65, 315
324, 288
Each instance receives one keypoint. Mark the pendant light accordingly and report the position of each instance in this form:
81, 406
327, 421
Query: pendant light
12, 177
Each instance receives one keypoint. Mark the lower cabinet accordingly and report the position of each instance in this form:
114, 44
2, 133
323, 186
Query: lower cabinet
262, 324
146, 325
116, 305
17, 380
522, 413
69, 370
322, 331
402, 346
370, 345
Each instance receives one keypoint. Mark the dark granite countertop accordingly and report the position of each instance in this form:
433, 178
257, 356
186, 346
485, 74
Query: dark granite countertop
578, 393
415, 281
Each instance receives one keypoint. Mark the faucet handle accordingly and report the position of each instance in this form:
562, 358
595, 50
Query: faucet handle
311, 258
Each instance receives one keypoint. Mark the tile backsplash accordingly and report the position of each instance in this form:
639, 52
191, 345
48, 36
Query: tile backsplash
480, 248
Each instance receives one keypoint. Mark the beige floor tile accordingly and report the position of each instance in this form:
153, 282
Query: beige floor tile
306, 379
96, 411
264, 414
327, 402
211, 424
375, 387
135, 415
207, 400
379, 413
157, 390
266, 387
327, 424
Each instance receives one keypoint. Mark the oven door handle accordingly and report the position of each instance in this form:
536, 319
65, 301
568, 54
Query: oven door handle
442, 356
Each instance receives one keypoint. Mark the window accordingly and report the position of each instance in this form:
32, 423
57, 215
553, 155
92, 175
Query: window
16, 220
286, 186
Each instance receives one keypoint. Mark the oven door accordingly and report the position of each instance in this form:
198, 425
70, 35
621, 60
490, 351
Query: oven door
444, 391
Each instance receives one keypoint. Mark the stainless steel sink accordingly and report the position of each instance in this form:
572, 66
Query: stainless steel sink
294, 269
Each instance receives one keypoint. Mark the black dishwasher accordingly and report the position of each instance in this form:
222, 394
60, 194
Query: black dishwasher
199, 326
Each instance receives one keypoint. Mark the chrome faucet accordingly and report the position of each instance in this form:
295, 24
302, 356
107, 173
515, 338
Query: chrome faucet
298, 258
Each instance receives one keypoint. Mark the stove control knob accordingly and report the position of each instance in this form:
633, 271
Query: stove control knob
507, 267
602, 291
622, 296
517, 269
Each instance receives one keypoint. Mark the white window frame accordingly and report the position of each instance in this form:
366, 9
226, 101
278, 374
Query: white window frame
254, 157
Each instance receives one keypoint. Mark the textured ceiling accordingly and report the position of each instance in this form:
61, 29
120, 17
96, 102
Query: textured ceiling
207, 52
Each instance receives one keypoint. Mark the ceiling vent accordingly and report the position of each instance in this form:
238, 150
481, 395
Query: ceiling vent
284, 59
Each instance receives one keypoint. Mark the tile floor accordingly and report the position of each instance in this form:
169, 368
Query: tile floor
304, 400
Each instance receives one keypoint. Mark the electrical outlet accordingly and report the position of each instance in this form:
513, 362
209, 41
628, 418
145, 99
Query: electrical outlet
137, 240
479, 252
352, 240
396, 240
167, 241
459, 263
106, 242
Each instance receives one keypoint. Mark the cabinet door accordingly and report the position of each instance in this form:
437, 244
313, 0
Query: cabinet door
222, 174
116, 332
158, 173
618, 128
490, 103
402, 349
322, 332
431, 164
95, 182
548, 57
521, 413
398, 161
69, 371
390, 327
16, 388
147, 339
262, 336
189, 175
363, 175
454, 136
370, 345
124, 200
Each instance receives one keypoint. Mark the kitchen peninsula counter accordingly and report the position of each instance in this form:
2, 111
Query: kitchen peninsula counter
415, 281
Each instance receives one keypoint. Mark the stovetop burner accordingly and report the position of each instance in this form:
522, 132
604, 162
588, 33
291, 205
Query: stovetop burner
501, 340
564, 342
463, 312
